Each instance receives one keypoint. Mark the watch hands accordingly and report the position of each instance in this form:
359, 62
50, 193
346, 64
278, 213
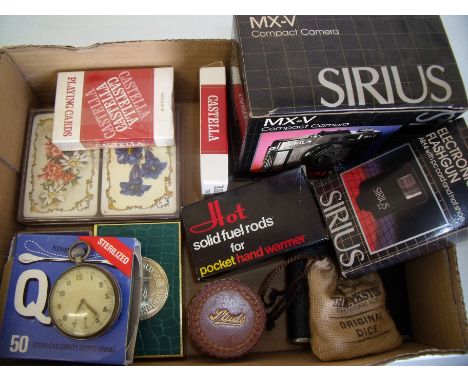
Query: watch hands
77, 310
82, 301
90, 308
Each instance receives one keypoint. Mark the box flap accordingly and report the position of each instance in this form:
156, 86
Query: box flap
9, 187
40, 65
436, 303
306, 358
217, 64
458, 292
190, 146
16, 98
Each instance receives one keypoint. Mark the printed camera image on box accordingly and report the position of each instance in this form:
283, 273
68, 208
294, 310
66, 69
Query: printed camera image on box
114, 108
319, 149
401, 204
59, 310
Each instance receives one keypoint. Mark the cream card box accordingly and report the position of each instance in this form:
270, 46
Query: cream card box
109, 184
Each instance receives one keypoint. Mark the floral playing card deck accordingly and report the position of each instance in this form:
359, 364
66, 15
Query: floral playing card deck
139, 180
95, 184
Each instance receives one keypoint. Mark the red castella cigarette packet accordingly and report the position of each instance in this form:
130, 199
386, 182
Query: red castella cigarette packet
214, 169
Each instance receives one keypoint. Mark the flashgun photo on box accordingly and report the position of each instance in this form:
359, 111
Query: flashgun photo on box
393, 199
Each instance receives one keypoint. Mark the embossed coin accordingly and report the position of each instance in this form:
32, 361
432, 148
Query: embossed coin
155, 289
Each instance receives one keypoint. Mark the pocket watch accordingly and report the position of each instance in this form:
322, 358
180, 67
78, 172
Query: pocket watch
85, 300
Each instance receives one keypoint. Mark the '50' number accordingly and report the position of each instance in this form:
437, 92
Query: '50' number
19, 344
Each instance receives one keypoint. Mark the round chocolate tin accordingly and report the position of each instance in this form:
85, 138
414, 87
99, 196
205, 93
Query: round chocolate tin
226, 319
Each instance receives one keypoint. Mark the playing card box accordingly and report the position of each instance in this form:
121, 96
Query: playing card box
114, 108
55, 309
99, 185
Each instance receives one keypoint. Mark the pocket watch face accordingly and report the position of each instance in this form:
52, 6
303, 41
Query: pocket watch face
84, 301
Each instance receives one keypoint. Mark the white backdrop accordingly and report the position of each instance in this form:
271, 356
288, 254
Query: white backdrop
88, 30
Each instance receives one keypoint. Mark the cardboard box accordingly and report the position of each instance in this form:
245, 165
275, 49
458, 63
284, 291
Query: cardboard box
114, 108
401, 204
28, 79
294, 76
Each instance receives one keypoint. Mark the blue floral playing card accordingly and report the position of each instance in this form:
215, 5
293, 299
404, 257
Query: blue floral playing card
139, 181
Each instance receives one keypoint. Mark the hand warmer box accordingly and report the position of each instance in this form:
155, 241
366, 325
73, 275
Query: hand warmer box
250, 224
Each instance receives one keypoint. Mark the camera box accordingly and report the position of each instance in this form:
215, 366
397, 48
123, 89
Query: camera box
53, 309
214, 159
253, 223
293, 77
114, 108
400, 205
29, 80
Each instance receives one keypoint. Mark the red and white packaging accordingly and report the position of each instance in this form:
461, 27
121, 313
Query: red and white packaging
114, 108
214, 172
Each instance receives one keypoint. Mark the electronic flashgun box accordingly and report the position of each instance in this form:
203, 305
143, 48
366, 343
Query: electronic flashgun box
327, 91
402, 204
117, 108
71, 299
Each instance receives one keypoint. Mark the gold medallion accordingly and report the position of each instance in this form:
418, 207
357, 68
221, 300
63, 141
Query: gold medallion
155, 289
